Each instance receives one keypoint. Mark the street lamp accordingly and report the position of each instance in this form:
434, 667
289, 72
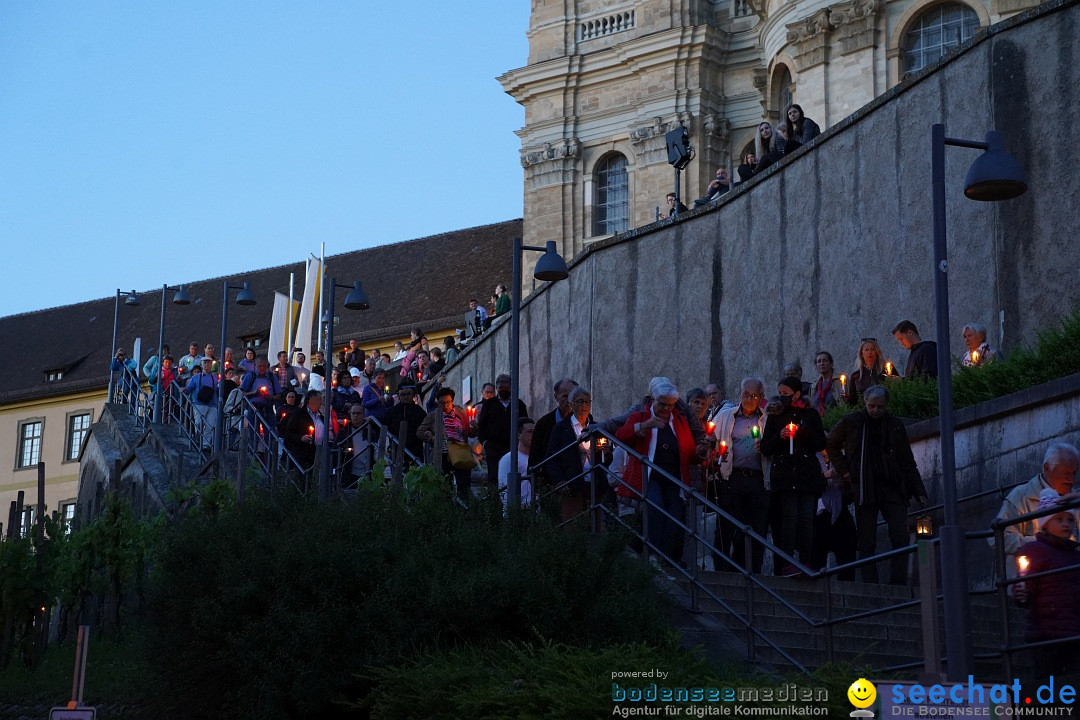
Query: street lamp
180, 298
244, 297
132, 300
355, 300
995, 175
549, 268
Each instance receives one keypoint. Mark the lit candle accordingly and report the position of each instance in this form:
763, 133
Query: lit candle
974, 357
712, 427
723, 448
843, 383
888, 368
311, 430
263, 390
755, 432
1022, 563
601, 442
792, 427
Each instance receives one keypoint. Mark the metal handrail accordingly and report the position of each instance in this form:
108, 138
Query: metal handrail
190, 422
129, 391
267, 449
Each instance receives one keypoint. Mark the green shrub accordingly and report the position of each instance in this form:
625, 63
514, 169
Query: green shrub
273, 608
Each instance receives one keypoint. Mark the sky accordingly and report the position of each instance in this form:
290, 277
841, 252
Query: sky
144, 143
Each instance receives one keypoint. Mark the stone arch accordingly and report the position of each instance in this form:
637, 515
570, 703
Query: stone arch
608, 190
895, 49
783, 78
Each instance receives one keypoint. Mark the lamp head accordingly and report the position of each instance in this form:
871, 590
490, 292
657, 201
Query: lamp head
181, 297
357, 298
132, 299
995, 175
550, 267
245, 296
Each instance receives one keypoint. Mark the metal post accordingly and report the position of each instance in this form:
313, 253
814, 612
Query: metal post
748, 550
324, 476
161, 358
830, 651
695, 603
242, 461
953, 567
1003, 601
82, 647
931, 632
595, 458
219, 431
513, 478
115, 323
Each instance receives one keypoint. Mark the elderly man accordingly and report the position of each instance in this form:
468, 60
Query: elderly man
187, 363
261, 387
870, 450
978, 351
542, 432
202, 387
493, 426
720, 185
574, 459
743, 490
1060, 463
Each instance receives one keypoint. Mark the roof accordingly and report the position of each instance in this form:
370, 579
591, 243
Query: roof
425, 282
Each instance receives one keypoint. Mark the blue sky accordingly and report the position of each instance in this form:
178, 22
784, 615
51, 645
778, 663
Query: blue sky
152, 142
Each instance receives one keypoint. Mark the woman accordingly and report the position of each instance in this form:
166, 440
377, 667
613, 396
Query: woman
798, 129
660, 432
746, 170
826, 390
399, 351
248, 363
765, 147
450, 349
869, 370
792, 438
418, 343
979, 351
449, 423
304, 429
289, 405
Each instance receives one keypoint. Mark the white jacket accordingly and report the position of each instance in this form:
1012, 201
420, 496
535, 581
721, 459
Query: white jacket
725, 424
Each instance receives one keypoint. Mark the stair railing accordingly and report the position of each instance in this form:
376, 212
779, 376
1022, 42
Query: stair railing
385, 446
129, 391
192, 425
267, 449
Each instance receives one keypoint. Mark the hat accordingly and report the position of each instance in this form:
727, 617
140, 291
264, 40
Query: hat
355, 372
793, 383
1048, 498
203, 359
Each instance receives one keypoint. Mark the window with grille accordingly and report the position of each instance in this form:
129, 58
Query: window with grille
29, 451
611, 209
77, 430
938, 31
67, 515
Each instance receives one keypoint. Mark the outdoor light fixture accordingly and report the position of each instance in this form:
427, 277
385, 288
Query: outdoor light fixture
180, 298
995, 175
550, 267
356, 300
924, 527
245, 296
132, 300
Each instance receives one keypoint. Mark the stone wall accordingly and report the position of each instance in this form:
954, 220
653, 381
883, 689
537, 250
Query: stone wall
833, 246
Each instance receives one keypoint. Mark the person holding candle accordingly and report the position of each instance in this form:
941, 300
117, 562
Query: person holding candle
743, 484
978, 351
493, 426
261, 387
791, 439
1052, 601
827, 390
871, 452
922, 362
869, 371
302, 430
343, 394
444, 425
374, 397
289, 405
1061, 461
538, 450
407, 412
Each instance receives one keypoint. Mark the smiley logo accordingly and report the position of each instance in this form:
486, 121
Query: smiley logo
862, 693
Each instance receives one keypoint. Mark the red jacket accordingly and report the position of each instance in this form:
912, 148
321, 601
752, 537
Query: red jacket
632, 473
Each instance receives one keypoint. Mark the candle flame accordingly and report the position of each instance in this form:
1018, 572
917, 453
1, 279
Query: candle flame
888, 368
974, 357
712, 426
1023, 562
311, 429
843, 379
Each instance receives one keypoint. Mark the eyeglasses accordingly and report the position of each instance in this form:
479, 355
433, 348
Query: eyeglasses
583, 401
664, 405
752, 396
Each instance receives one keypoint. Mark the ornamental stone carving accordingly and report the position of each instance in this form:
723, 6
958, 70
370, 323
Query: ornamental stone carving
551, 163
717, 126
855, 24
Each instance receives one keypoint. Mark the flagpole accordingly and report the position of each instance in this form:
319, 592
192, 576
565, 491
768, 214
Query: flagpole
322, 284
290, 339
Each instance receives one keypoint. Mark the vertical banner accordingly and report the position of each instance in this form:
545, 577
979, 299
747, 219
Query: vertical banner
306, 318
280, 329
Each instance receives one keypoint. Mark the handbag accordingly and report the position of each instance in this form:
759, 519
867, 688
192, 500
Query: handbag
460, 455
205, 395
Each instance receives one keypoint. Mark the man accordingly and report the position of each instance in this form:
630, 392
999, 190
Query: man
408, 412
318, 371
475, 319
922, 362
262, 389
285, 372
208, 351
542, 432
493, 426
368, 374
202, 387
189, 361
301, 372
524, 446
573, 459
373, 398
870, 449
502, 302
744, 477
674, 206
720, 185
361, 449
716, 401
355, 356
1060, 463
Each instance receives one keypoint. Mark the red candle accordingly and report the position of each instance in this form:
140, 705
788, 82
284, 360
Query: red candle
311, 430
263, 390
723, 447
712, 427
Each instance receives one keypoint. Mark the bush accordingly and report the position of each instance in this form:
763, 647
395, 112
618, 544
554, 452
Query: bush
275, 607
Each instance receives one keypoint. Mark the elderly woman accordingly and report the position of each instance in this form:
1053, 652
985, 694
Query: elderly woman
869, 370
661, 433
979, 351
449, 424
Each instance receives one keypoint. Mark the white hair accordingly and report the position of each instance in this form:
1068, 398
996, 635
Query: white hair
1056, 451
662, 387
754, 381
977, 328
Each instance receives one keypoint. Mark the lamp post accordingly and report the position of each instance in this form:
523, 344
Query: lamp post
180, 298
244, 297
355, 300
550, 267
995, 175
132, 300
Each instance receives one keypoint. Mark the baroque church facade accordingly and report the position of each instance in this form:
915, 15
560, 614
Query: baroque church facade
606, 79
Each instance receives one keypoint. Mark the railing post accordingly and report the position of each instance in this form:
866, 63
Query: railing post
595, 457
271, 458
1000, 560
241, 462
931, 630
695, 602
399, 455
748, 549
830, 652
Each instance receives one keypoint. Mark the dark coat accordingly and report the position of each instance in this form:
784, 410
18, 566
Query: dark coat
923, 360
568, 463
493, 423
845, 444
539, 449
412, 415
1054, 610
798, 471
295, 427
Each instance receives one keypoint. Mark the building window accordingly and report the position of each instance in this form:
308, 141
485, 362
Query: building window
67, 515
78, 426
26, 525
54, 375
611, 212
938, 31
29, 451
784, 97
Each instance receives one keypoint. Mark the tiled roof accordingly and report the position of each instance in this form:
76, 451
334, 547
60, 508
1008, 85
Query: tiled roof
425, 282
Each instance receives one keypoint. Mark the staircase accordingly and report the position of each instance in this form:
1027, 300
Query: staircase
874, 643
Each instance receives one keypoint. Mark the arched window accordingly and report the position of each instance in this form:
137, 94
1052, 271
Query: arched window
611, 208
939, 30
784, 97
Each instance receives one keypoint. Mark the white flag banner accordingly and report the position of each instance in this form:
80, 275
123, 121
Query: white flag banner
280, 332
309, 307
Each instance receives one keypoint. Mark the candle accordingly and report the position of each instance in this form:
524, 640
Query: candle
311, 430
263, 390
755, 432
601, 442
712, 427
843, 383
723, 448
1022, 563
974, 357
792, 427
888, 368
